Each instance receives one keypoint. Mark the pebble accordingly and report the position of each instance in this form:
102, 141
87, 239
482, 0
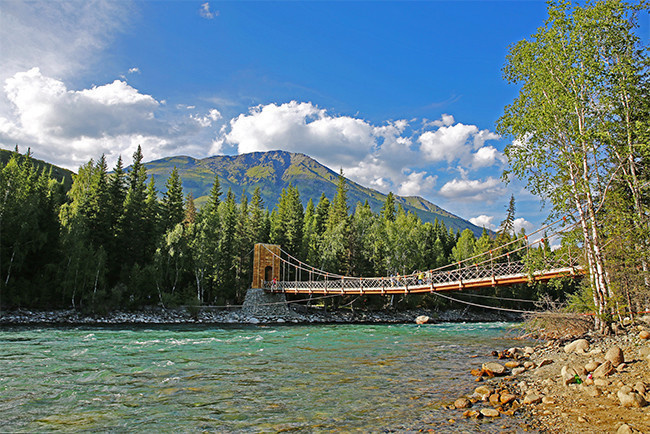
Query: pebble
490, 412
462, 403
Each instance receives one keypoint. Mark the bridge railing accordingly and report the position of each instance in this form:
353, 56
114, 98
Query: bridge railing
495, 270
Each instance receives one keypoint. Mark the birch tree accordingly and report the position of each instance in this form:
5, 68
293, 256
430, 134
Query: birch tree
562, 119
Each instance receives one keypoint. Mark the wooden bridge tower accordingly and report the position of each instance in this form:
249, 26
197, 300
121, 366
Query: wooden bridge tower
266, 264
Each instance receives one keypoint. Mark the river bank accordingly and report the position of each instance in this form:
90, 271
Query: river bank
195, 315
591, 383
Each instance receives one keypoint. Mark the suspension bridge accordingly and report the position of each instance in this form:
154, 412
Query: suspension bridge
276, 271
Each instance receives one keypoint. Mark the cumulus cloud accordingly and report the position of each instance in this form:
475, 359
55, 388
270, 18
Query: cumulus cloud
416, 183
302, 127
69, 127
473, 190
483, 221
522, 223
451, 142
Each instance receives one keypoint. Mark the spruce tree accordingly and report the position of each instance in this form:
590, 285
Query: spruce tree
172, 202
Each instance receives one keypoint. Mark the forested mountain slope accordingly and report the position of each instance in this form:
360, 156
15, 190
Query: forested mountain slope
274, 170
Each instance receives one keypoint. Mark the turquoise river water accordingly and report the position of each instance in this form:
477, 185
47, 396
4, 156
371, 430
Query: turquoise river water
195, 378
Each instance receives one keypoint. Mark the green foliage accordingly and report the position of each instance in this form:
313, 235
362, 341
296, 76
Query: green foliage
576, 126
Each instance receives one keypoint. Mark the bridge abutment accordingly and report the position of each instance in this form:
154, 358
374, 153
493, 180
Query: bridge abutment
258, 303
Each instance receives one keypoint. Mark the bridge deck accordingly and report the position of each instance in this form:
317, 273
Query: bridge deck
411, 284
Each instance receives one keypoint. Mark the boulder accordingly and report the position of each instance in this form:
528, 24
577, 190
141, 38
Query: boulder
512, 364
644, 334
545, 362
494, 368
528, 364
577, 346
604, 370
591, 366
422, 319
507, 398
462, 403
615, 355
569, 375
630, 398
495, 399
490, 412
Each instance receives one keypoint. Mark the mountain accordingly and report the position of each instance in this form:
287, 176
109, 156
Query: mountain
272, 171
58, 173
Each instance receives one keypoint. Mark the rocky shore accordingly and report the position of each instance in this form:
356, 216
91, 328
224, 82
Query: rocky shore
595, 384
298, 314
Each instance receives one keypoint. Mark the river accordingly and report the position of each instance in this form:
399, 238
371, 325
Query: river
194, 378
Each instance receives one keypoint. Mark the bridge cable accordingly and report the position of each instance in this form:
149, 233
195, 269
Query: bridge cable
483, 306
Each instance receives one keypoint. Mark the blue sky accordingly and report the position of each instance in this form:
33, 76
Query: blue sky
403, 96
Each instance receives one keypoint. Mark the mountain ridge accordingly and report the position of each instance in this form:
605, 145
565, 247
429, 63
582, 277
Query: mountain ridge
274, 170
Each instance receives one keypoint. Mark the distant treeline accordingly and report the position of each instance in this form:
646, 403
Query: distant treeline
109, 242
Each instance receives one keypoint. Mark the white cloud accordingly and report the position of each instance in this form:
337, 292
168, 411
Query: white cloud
417, 183
522, 223
206, 121
134, 70
447, 142
486, 156
69, 127
483, 221
459, 142
302, 127
206, 12
473, 190
444, 121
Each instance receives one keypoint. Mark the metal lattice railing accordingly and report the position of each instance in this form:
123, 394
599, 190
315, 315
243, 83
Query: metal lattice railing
486, 269
480, 275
